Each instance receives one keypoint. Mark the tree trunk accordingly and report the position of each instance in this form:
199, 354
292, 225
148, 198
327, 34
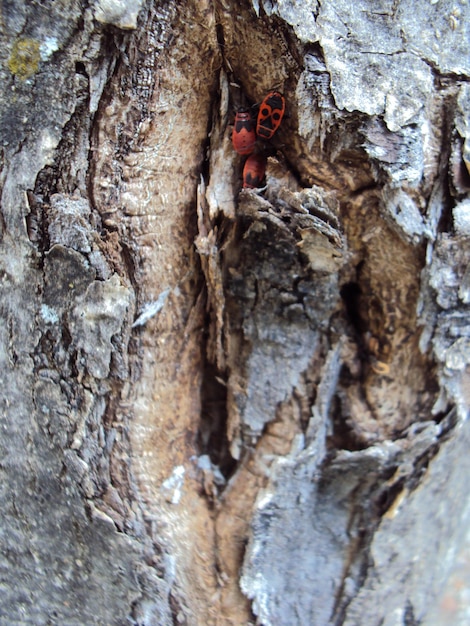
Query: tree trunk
225, 405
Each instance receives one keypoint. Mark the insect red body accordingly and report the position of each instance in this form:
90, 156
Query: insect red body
243, 135
253, 172
270, 114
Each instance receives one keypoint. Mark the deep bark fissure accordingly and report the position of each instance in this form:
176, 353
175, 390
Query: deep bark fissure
372, 320
212, 436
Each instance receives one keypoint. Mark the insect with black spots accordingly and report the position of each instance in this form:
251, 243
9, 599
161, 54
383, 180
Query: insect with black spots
254, 170
244, 134
271, 112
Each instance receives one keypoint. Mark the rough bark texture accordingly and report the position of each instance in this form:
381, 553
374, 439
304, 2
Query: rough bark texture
225, 406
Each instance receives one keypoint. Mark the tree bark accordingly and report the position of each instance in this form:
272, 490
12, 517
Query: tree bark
223, 405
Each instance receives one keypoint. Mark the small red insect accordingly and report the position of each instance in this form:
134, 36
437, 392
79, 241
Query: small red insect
243, 135
253, 172
270, 114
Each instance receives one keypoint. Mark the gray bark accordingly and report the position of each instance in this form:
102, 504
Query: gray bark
219, 405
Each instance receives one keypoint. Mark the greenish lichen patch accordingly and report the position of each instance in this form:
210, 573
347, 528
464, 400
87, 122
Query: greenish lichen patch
24, 58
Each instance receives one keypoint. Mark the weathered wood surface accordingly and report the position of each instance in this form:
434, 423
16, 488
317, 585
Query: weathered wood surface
225, 406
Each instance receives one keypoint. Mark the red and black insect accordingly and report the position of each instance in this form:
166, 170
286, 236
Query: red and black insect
243, 135
270, 114
254, 170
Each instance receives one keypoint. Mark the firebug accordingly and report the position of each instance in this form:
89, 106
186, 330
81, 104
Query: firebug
270, 114
254, 170
243, 135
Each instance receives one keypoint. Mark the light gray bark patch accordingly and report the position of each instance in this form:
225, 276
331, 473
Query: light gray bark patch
375, 52
97, 316
461, 217
403, 214
400, 154
67, 276
281, 352
69, 223
447, 275
120, 13
59, 565
462, 121
308, 555
437, 32
300, 15
296, 550
56, 552
439, 513
377, 84
62, 560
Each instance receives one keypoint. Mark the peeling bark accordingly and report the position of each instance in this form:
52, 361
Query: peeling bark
222, 405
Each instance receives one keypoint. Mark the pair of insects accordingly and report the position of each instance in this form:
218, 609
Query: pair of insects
245, 133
